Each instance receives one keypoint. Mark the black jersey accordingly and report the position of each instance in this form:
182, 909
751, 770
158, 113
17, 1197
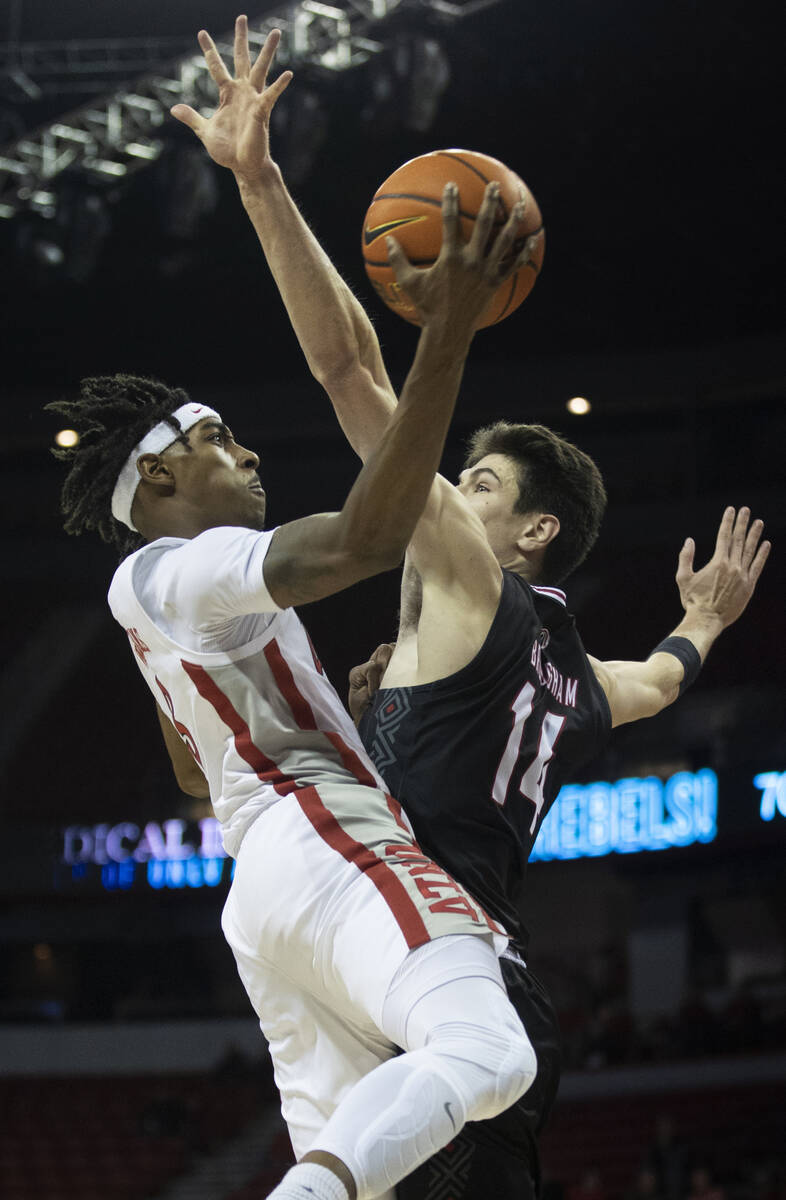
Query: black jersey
478, 758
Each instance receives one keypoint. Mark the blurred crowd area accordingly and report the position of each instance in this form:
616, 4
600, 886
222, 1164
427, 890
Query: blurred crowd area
601, 1029
196, 977
676, 1167
751, 1179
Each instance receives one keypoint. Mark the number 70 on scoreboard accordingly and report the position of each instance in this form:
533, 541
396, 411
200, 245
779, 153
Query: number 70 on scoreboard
773, 793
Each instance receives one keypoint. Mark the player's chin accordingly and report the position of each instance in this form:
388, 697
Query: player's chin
256, 511
248, 513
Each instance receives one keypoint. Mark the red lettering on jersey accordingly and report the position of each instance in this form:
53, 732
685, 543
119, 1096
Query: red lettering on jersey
419, 867
429, 891
179, 726
406, 852
454, 904
139, 647
424, 868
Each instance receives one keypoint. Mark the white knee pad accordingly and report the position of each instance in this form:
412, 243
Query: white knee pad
467, 1058
450, 998
397, 1117
494, 1065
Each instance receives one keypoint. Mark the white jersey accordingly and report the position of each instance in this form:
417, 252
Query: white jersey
237, 676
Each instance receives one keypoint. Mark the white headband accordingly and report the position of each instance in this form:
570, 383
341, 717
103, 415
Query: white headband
159, 437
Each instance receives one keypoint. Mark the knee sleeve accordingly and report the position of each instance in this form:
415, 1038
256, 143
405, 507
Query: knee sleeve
467, 1058
467, 1021
493, 1065
396, 1118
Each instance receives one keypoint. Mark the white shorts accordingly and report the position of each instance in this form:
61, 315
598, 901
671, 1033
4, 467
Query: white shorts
330, 895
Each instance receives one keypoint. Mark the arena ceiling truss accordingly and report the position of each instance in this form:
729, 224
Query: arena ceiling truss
121, 130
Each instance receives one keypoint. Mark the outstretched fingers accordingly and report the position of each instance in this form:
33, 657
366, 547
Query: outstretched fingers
751, 543
188, 116
484, 221
215, 63
739, 536
723, 540
525, 258
450, 217
265, 57
400, 264
685, 560
270, 95
500, 259
242, 59
758, 563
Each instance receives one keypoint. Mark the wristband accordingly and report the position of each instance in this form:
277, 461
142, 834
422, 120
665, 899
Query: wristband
683, 649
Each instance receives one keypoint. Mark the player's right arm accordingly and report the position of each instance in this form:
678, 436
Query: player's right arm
448, 545
713, 598
322, 554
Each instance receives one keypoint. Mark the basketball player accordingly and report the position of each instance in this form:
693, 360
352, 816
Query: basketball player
509, 726
489, 700
344, 933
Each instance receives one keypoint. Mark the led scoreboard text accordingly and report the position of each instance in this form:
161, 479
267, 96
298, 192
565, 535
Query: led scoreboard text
593, 819
587, 820
773, 793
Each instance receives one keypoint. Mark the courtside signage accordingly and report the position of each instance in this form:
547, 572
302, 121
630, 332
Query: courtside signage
588, 820
166, 854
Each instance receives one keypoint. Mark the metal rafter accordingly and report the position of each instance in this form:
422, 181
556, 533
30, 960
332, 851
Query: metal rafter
115, 135
36, 69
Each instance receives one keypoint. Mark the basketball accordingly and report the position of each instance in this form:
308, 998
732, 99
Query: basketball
408, 205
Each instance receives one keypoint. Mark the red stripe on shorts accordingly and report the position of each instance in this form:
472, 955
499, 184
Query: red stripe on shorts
266, 770
395, 809
385, 880
304, 715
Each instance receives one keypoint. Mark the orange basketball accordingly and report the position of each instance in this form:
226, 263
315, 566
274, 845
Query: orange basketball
408, 206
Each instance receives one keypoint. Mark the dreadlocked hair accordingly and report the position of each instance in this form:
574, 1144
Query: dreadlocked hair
111, 414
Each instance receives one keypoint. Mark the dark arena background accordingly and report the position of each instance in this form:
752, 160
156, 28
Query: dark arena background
651, 134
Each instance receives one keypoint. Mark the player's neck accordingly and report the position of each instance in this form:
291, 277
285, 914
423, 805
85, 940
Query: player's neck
185, 523
520, 564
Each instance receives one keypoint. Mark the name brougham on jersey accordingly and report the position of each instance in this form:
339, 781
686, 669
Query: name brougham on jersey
563, 688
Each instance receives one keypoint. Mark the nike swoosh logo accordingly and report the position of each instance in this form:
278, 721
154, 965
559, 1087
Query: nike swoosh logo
450, 1114
371, 235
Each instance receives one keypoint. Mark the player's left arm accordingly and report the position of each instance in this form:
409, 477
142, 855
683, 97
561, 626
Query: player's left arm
189, 775
713, 598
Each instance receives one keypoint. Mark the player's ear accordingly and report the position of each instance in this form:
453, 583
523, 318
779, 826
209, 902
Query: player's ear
153, 469
537, 530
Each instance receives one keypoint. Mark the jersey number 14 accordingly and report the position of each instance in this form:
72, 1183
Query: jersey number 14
533, 781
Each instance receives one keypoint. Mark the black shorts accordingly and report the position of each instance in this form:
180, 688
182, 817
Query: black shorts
499, 1158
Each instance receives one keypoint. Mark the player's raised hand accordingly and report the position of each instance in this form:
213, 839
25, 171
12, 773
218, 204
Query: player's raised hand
724, 586
459, 287
364, 680
238, 134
